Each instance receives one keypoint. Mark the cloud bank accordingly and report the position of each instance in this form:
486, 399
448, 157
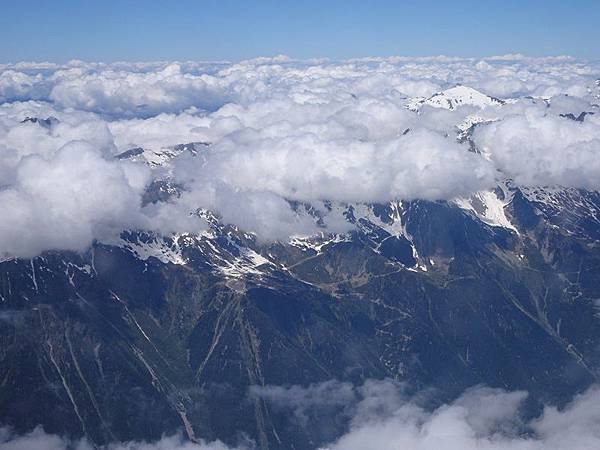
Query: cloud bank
382, 415
38, 439
275, 131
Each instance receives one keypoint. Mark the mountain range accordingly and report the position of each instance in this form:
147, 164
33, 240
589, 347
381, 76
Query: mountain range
151, 334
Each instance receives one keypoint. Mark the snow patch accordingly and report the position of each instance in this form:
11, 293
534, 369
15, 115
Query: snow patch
166, 250
488, 208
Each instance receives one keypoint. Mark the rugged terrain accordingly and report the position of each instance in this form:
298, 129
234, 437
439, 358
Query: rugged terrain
149, 334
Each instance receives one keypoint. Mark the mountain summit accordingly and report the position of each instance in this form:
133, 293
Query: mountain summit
455, 97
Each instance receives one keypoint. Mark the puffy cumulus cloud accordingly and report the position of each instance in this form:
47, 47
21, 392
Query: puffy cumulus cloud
20, 138
300, 403
125, 93
164, 130
308, 167
17, 85
382, 415
145, 89
61, 187
38, 439
264, 213
281, 131
67, 200
537, 147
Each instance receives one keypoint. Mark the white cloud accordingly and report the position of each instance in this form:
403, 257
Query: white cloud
66, 201
16, 85
280, 130
536, 147
308, 167
125, 93
383, 416
38, 439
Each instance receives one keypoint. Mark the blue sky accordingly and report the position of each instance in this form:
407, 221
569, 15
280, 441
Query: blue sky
110, 30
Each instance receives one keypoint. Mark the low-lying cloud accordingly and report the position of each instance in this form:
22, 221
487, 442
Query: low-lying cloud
277, 130
383, 415
67, 200
537, 147
38, 439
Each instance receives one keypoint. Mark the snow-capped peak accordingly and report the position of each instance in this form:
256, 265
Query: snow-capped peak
163, 155
454, 97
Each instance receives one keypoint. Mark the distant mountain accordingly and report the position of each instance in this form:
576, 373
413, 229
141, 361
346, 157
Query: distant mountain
454, 97
162, 156
49, 122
